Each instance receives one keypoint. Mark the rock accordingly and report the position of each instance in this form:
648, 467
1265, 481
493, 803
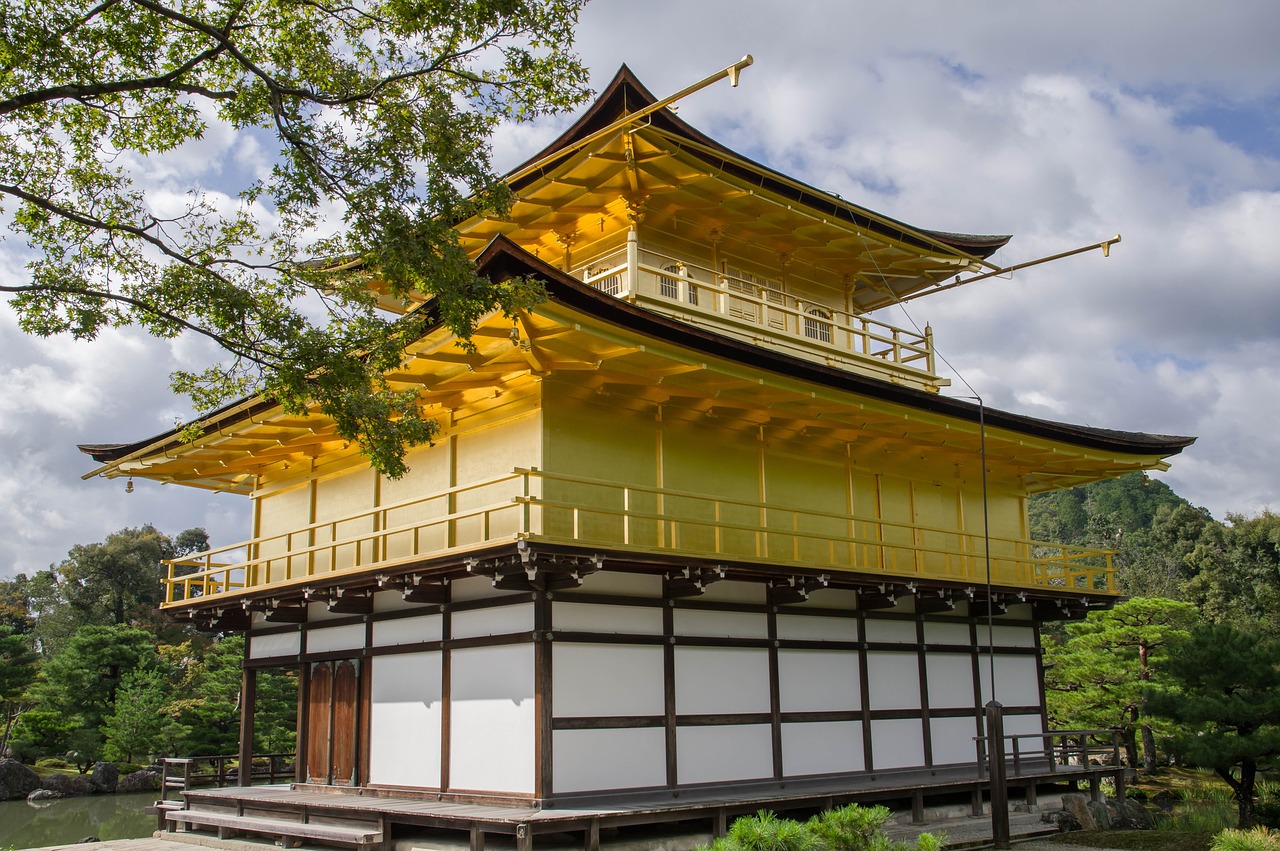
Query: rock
73, 786
1165, 800
1101, 815
1135, 815
1078, 806
88, 839
1060, 819
16, 780
44, 795
104, 776
145, 780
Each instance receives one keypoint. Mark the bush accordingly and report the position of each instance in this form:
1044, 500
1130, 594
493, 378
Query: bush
54, 762
1257, 839
848, 828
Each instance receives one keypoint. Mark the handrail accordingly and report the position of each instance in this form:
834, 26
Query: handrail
1061, 748
861, 336
555, 508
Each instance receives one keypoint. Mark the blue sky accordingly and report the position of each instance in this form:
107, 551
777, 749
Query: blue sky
1062, 123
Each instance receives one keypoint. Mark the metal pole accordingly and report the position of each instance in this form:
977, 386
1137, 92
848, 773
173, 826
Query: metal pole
999, 785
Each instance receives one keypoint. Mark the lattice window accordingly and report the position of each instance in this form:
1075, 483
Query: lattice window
817, 324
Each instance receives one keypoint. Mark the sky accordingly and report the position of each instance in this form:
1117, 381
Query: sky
1062, 123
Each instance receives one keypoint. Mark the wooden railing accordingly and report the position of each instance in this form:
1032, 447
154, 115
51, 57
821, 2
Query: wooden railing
756, 306
1065, 751
179, 775
539, 506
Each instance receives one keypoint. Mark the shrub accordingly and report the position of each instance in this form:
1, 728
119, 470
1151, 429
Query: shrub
848, 828
766, 832
53, 762
1257, 839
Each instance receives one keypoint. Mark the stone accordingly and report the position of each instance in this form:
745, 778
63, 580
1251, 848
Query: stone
1101, 815
16, 780
44, 795
104, 776
88, 839
146, 780
1061, 819
1165, 800
73, 786
1078, 806
1135, 815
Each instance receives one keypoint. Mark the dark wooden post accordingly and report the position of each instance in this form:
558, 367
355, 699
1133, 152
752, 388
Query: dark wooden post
248, 700
999, 786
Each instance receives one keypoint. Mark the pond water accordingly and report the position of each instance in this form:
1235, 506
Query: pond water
67, 820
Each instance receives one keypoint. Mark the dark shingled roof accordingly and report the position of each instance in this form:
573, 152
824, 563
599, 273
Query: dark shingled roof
504, 259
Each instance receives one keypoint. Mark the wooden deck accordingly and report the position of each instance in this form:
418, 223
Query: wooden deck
387, 817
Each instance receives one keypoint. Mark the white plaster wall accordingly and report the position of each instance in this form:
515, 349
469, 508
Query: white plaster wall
952, 740
950, 679
728, 591
477, 588
1006, 635
606, 679
711, 754
812, 628
899, 632
893, 680
721, 624
280, 644
391, 601
897, 743
496, 620
1017, 680
1019, 724
818, 681
946, 632
349, 637
714, 680
824, 748
407, 630
590, 617
586, 760
623, 584
492, 722
404, 721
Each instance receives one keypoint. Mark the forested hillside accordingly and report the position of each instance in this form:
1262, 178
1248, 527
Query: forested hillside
1166, 547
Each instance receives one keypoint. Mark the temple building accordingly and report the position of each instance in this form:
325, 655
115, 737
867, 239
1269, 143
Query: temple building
697, 529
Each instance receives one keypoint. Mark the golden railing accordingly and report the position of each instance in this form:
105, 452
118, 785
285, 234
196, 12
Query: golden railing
546, 507
757, 306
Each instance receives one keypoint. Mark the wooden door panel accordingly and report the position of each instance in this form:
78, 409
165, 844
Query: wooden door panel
319, 710
346, 695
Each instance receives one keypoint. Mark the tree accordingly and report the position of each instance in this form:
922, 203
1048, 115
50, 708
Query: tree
1223, 692
379, 116
17, 670
106, 582
141, 722
1098, 676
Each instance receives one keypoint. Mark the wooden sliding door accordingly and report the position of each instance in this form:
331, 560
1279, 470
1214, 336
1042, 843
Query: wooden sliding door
333, 711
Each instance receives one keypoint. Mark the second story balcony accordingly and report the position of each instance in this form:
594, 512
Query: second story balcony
739, 304
644, 524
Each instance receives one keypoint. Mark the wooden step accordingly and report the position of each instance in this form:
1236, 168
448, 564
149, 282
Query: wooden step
228, 824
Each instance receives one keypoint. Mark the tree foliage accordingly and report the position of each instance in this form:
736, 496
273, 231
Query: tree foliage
375, 118
17, 670
1223, 693
1098, 675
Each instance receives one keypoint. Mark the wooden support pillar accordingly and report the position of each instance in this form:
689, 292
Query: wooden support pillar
1030, 795
248, 700
917, 807
477, 839
975, 802
1095, 788
999, 787
591, 838
524, 837
719, 824
1122, 778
